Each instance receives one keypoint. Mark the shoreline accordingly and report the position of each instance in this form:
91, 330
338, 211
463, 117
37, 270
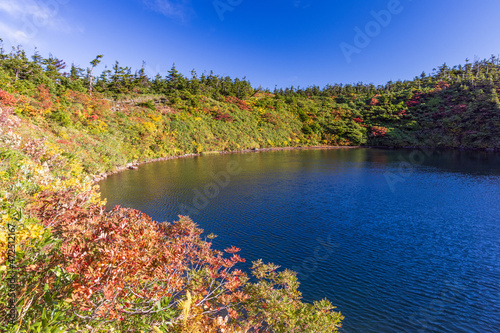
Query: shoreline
135, 165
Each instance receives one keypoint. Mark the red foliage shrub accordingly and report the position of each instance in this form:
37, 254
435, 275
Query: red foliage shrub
242, 105
416, 100
374, 101
95, 102
124, 262
441, 85
7, 99
219, 115
358, 120
7, 119
231, 99
78, 97
44, 97
35, 148
379, 131
270, 118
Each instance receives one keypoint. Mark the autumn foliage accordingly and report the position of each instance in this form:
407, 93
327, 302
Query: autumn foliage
378, 131
124, 264
44, 98
7, 99
415, 100
441, 85
243, 105
374, 101
220, 115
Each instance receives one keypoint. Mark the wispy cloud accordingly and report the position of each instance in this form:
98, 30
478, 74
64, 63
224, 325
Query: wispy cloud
23, 19
302, 4
16, 36
25, 8
178, 9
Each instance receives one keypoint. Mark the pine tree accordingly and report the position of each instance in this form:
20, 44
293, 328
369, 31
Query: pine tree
94, 64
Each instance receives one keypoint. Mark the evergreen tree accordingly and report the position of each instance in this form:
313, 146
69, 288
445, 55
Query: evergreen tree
94, 64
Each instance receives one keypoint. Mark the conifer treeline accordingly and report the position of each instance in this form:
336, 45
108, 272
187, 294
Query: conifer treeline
121, 80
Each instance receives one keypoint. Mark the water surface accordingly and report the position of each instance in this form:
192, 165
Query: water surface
399, 241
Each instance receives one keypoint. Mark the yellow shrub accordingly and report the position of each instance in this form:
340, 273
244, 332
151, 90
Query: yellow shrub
149, 126
155, 118
25, 233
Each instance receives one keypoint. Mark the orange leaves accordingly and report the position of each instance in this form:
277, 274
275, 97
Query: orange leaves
440, 86
379, 131
236, 258
232, 313
125, 262
7, 99
374, 102
232, 99
415, 100
44, 97
242, 105
74, 96
124, 265
232, 249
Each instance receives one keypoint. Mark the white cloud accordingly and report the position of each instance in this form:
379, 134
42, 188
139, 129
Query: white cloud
179, 9
22, 20
12, 35
10, 7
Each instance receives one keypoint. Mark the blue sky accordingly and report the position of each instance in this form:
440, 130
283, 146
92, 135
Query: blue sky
283, 43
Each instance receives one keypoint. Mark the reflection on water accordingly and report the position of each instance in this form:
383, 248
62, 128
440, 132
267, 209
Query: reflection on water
399, 240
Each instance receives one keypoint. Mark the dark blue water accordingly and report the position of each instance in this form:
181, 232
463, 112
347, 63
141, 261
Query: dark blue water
399, 241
